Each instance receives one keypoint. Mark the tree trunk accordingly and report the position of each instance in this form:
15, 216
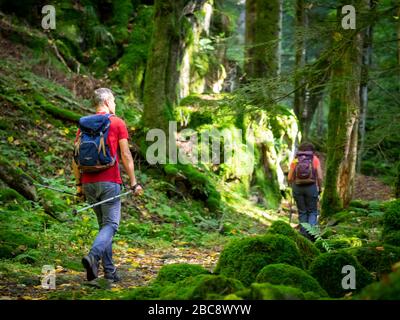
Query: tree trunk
397, 182
16, 179
366, 64
263, 28
162, 72
343, 120
300, 61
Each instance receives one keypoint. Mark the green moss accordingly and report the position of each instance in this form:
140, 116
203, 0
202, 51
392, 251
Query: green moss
387, 289
392, 238
143, 293
201, 185
201, 287
307, 249
284, 274
6, 251
13, 243
391, 218
56, 111
377, 259
130, 68
267, 291
243, 259
173, 273
171, 169
8, 194
327, 269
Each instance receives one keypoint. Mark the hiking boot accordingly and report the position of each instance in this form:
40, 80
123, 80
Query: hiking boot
91, 266
113, 277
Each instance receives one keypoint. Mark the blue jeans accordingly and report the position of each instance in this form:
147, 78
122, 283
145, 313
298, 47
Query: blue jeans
306, 197
108, 216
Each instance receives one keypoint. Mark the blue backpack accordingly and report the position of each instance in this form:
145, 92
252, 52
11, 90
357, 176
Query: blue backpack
91, 152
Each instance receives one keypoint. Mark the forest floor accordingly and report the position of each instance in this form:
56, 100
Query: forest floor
136, 266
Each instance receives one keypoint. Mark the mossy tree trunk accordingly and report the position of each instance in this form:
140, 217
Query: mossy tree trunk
16, 179
262, 37
300, 61
343, 118
263, 29
366, 64
397, 182
162, 72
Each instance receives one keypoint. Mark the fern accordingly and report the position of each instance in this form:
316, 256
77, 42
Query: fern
315, 231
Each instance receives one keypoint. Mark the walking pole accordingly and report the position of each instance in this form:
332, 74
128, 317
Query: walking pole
55, 189
75, 212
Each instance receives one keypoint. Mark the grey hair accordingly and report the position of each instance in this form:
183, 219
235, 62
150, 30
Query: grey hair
101, 95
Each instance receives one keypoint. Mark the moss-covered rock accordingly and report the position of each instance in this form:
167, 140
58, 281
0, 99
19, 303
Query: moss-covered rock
144, 293
392, 238
284, 274
267, 291
327, 269
391, 218
387, 289
201, 287
307, 249
244, 258
377, 259
173, 273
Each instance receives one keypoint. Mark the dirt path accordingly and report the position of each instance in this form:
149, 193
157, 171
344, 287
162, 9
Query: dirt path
136, 266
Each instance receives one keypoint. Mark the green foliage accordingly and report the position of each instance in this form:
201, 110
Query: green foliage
337, 242
201, 287
267, 291
377, 259
392, 238
307, 249
284, 274
173, 273
8, 194
391, 218
243, 259
122, 11
201, 185
327, 270
56, 111
316, 233
387, 289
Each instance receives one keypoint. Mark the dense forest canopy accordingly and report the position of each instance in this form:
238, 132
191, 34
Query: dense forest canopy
217, 96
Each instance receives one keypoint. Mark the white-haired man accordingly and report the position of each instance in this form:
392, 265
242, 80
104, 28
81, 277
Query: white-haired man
100, 185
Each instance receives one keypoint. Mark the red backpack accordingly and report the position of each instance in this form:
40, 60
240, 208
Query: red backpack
304, 173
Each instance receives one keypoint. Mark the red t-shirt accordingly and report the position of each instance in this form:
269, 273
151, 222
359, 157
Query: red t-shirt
116, 132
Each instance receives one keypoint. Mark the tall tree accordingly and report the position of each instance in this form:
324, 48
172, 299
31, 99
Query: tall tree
300, 60
263, 37
309, 82
263, 30
366, 64
165, 54
343, 118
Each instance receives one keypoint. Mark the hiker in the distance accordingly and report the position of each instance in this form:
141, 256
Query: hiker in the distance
305, 177
99, 141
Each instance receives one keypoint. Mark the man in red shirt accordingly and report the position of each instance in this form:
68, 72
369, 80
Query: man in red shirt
306, 192
98, 186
